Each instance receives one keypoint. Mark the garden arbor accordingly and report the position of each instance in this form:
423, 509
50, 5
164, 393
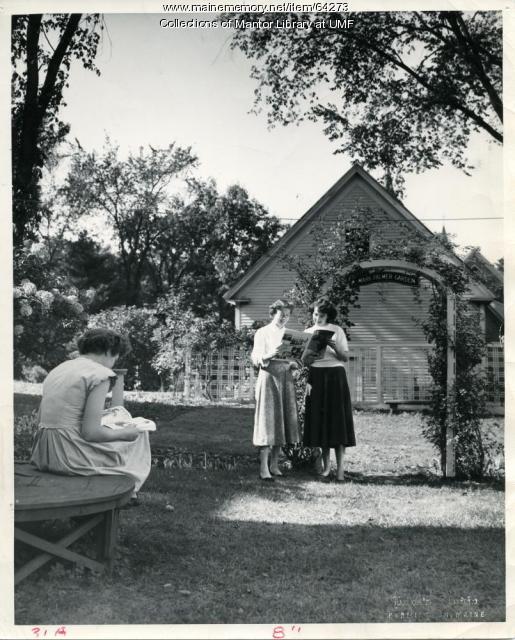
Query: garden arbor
408, 273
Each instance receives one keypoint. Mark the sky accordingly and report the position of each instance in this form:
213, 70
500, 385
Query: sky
187, 86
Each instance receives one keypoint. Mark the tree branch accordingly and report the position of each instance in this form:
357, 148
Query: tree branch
472, 54
55, 62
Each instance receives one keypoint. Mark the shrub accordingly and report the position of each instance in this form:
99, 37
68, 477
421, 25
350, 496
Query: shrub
139, 324
34, 373
45, 324
179, 332
25, 428
299, 455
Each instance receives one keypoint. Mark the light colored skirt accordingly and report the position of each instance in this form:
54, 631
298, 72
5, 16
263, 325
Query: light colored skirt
65, 451
275, 418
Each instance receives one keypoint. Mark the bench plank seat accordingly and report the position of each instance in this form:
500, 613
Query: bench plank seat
96, 500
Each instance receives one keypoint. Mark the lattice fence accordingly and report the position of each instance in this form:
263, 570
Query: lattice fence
223, 375
376, 374
494, 366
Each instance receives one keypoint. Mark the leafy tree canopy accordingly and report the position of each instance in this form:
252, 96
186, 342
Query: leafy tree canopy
132, 197
43, 50
210, 240
399, 91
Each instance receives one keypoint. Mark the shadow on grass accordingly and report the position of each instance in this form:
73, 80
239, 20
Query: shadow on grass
197, 551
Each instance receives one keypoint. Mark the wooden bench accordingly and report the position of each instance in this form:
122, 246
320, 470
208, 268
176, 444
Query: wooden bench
95, 500
394, 404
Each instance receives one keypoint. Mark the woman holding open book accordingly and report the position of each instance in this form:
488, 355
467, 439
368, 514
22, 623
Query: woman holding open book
71, 438
275, 420
328, 421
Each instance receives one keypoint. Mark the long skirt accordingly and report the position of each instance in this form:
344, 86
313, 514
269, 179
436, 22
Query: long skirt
275, 418
64, 451
328, 419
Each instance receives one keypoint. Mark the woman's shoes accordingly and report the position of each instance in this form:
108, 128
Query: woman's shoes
277, 474
266, 478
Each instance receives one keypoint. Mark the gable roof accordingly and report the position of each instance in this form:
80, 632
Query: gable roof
478, 291
476, 255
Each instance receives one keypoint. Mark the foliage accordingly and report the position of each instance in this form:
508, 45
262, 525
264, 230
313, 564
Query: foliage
43, 50
483, 271
139, 325
399, 91
300, 456
467, 403
209, 240
45, 324
181, 332
192, 245
25, 427
132, 197
333, 269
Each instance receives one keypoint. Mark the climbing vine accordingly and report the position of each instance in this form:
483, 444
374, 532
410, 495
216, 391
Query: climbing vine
333, 270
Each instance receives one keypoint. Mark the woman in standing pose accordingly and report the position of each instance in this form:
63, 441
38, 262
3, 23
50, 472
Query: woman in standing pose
275, 420
328, 419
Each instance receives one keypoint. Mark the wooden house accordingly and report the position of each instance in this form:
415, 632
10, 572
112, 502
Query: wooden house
388, 347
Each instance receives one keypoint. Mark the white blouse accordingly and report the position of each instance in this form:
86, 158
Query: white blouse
266, 340
330, 358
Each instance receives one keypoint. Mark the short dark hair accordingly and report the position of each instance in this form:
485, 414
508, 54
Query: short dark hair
324, 305
101, 341
279, 304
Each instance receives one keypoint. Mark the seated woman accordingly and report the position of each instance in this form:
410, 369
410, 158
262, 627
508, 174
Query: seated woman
275, 418
71, 439
328, 421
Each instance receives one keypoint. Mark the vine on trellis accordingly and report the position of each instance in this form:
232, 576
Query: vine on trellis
332, 271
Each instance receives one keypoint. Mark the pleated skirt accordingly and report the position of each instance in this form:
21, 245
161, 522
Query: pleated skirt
64, 451
275, 418
328, 419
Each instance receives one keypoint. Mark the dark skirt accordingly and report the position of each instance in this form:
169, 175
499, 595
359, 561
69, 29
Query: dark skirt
328, 419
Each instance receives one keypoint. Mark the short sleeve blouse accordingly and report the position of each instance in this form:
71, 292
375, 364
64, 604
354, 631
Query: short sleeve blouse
66, 389
330, 359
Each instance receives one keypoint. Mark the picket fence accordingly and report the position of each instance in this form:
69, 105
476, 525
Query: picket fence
377, 374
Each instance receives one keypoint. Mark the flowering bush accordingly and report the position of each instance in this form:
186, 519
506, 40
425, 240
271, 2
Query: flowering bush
45, 324
25, 427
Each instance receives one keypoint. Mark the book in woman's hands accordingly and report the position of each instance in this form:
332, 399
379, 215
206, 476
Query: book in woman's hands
316, 347
304, 345
119, 417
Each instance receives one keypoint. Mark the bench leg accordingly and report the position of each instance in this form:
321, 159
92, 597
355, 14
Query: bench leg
107, 542
52, 550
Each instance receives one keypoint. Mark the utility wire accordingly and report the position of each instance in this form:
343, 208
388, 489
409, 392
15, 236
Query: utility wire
427, 219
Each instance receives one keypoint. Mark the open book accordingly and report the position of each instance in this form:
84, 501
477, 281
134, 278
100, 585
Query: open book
118, 418
303, 345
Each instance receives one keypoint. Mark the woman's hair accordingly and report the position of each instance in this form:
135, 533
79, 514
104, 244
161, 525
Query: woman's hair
101, 341
324, 305
279, 304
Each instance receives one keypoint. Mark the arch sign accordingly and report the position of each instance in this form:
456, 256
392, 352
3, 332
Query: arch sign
409, 274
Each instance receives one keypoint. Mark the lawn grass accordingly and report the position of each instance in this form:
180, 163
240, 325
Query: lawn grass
396, 543
223, 547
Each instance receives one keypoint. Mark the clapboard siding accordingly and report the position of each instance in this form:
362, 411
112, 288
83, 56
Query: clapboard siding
389, 312
379, 318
